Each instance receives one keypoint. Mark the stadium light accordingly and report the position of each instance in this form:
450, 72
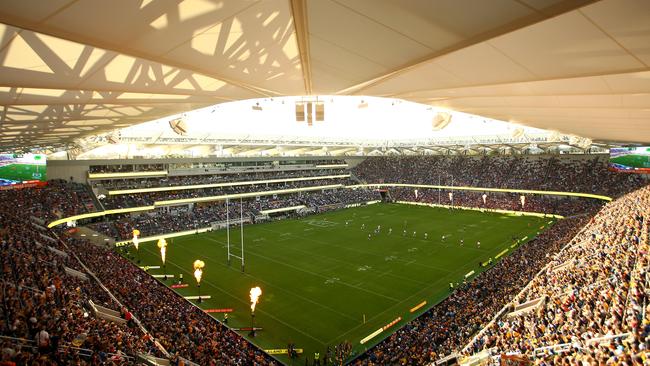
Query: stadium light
198, 274
162, 244
255, 294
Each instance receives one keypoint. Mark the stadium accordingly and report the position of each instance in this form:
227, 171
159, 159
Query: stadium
325, 182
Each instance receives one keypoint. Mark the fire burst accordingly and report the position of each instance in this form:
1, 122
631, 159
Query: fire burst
162, 244
136, 241
255, 294
198, 270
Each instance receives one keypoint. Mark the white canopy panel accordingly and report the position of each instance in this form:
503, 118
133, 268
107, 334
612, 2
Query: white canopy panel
71, 68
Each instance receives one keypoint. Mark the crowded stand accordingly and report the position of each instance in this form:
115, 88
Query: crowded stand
583, 174
48, 296
125, 168
594, 295
148, 198
57, 199
180, 327
588, 272
201, 216
185, 180
565, 206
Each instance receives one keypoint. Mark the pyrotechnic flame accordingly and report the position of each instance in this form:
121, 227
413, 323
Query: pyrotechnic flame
255, 294
136, 242
162, 244
136, 232
198, 270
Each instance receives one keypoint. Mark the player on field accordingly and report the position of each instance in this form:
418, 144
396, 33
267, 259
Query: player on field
462, 242
478, 244
390, 231
426, 236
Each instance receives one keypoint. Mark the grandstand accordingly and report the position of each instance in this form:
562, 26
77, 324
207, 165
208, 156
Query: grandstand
324, 182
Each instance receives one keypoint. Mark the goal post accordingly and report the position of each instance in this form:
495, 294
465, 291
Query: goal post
241, 225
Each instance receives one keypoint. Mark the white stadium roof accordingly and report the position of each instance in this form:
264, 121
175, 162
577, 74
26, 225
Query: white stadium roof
74, 68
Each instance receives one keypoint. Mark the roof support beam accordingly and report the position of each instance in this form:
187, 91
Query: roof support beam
301, 24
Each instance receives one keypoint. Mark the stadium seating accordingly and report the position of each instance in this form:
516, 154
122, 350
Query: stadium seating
502, 201
571, 174
576, 293
48, 296
594, 291
201, 216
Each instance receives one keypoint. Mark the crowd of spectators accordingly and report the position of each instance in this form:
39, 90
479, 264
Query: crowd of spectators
596, 287
594, 292
57, 199
565, 206
573, 174
125, 168
184, 180
148, 198
198, 216
180, 327
46, 311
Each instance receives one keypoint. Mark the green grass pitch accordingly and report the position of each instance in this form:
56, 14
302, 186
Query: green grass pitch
21, 172
320, 276
638, 161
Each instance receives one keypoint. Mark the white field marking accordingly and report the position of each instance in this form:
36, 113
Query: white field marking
197, 297
411, 250
384, 273
332, 280
321, 223
410, 262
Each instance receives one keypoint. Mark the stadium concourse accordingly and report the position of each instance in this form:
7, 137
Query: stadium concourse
586, 275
